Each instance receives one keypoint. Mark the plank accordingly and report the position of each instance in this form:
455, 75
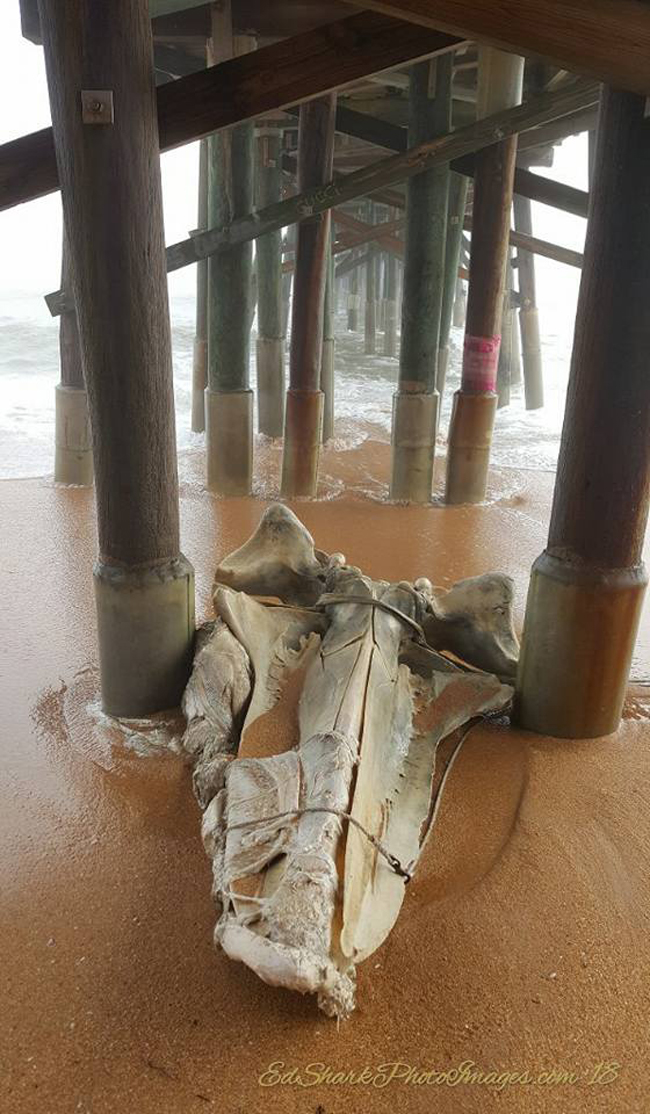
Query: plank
364, 233
605, 39
285, 73
539, 247
527, 183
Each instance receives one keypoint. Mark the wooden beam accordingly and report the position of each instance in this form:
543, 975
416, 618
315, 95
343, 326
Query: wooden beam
527, 184
549, 192
31, 24
290, 72
390, 244
583, 120
369, 179
367, 233
273, 77
353, 262
170, 7
371, 129
543, 247
540, 247
179, 63
384, 173
605, 39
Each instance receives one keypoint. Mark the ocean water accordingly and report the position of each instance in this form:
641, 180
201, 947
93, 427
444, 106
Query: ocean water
29, 358
29, 370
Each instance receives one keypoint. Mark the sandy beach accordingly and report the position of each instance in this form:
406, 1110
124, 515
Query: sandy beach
519, 947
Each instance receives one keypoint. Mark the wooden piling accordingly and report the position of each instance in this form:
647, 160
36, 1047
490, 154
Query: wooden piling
304, 406
109, 169
229, 399
516, 362
587, 588
289, 254
73, 454
531, 348
379, 287
327, 374
474, 407
370, 318
458, 184
390, 308
354, 300
270, 333
415, 404
460, 305
200, 362
508, 349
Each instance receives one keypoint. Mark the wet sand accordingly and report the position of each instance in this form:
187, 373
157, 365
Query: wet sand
522, 943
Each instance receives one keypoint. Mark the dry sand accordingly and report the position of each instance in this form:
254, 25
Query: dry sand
523, 941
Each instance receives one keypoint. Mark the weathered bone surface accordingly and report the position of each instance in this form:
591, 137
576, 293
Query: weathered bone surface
310, 844
474, 621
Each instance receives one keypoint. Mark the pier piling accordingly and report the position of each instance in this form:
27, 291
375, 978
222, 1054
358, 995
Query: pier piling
531, 349
268, 248
73, 454
587, 588
415, 404
110, 181
304, 404
200, 361
228, 397
474, 406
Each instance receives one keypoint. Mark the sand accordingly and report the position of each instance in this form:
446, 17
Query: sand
522, 944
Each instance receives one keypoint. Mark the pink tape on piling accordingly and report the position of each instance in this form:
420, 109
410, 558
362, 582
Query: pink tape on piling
480, 361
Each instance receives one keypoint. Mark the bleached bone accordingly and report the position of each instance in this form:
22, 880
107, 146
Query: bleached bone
214, 703
278, 560
473, 620
305, 841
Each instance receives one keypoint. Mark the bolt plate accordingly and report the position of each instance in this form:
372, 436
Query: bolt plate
97, 106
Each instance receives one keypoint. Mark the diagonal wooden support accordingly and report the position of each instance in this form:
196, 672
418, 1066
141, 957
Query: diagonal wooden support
390, 244
273, 77
539, 247
364, 233
386, 172
605, 39
392, 137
